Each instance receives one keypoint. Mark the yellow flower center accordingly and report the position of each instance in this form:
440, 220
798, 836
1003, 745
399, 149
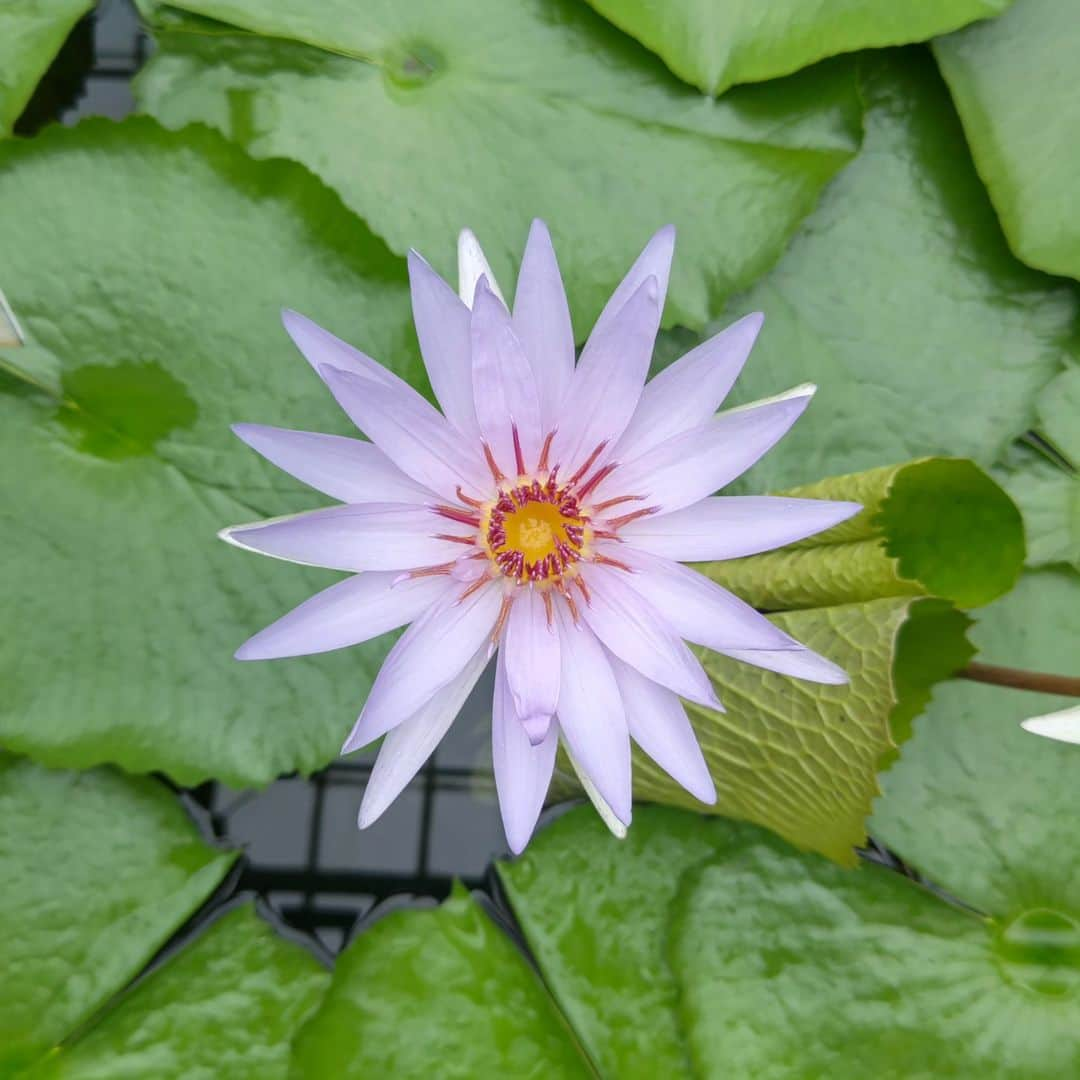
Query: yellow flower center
534, 531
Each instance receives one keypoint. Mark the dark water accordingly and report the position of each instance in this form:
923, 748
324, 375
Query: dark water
303, 850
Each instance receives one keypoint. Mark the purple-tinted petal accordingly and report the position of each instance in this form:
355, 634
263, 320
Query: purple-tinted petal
472, 266
427, 657
796, 660
690, 466
698, 609
320, 347
416, 438
607, 382
442, 328
542, 323
730, 526
632, 629
659, 725
531, 650
686, 394
503, 385
591, 714
654, 261
354, 610
346, 469
410, 744
371, 536
522, 769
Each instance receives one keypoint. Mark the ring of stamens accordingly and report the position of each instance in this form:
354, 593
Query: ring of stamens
535, 531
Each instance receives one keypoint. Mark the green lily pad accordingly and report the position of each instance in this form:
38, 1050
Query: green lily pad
227, 1004
1014, 84
31, 33
800, 757
148, 269
913, 538
715, 45
426, 121
437, 992
789, 967
901, 299
985, 809
1048, 490
594, 911
98, 870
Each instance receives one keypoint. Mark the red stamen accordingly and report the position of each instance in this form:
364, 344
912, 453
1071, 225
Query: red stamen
461, 516
504, 611
477, 584
496, 472
455, 539
599, 508
605, 560
548, 608
604, 534
579, 581
600, 474
619, 522
587, 466
543, 464
570, 603
519, 457
468, 500
431, 571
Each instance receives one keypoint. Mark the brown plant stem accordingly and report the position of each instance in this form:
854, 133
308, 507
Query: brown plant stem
1019, 679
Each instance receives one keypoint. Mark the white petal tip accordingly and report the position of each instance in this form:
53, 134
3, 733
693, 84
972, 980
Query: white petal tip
229, 535
616, 828
1063, 726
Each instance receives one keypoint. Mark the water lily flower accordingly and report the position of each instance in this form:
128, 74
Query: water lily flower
542, 516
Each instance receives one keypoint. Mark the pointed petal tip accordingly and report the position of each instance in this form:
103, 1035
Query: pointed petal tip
753, 322
517, 838
372, 807
292, 320
701, 787
248, 652
536, 727
230, 534
1062, 726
